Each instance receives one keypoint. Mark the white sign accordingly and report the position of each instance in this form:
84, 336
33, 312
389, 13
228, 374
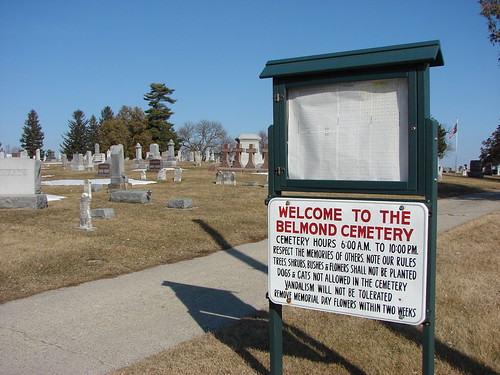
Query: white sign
360, 258
358, 130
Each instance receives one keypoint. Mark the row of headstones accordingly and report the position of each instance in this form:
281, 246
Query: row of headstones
238, 151
50, 155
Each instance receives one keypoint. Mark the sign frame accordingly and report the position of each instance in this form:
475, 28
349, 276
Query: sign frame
412, 61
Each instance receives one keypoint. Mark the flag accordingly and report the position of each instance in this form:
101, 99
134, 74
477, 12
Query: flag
454, 131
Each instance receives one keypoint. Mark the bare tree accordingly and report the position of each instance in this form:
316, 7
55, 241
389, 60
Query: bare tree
263, 139
203, 135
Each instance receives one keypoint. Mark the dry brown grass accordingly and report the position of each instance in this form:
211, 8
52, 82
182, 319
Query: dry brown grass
42, 250
467, 327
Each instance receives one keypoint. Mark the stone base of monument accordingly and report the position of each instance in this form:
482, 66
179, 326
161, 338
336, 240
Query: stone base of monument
119, 186
102, 213
139, 166
24, 201
131, 196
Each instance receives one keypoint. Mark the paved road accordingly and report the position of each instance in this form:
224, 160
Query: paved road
103, 325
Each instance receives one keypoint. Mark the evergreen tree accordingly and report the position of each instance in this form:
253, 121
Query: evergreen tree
75, 141
32, 138
158, 115
106, 114
490, 153
114, 132
92, 133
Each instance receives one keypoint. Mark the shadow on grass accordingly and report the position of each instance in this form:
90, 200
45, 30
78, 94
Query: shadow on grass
455, 358
224, 245
228, 318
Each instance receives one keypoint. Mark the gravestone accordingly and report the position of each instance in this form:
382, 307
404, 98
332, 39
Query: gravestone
177, 174
475, 170
197, 158
87, 187
237, 156
20, 184
24, 154
143, 175
154, 151
250, 151
162, 175
104, 170
138, 153
37, 154
226, 149
191, 156
131, 196
64, 160
89, 162
102, 213
77, 163
225, 178
265, 152
171, 160
51, 155
207, 155
180, 203
440, 173
85, 216
2, 154
119, 180
98, 156
154, 165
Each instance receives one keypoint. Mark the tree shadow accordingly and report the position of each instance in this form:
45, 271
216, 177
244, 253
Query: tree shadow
231, 321
454, 357
224, 245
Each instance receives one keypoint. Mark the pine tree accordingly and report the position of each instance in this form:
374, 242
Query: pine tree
106, 114
32, 138
93, 133
158, 115
75, 140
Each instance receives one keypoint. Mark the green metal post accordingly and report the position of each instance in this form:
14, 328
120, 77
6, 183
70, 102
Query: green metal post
430, 323
276, 338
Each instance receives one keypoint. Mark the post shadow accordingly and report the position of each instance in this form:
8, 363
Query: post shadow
454, 357
224, 245
231, 321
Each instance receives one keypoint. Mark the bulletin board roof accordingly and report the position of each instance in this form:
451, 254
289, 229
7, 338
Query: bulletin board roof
403, 54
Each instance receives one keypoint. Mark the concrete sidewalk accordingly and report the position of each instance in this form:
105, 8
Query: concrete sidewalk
107, 324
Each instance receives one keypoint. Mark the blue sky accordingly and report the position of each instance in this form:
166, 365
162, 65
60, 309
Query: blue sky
60, 55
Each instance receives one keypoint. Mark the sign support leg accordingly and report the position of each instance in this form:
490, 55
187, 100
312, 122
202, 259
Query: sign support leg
276, 338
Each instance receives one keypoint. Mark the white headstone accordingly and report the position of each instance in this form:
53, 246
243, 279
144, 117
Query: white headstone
154, 151
85, 216
177, 174
162, 175
37, 154
197, 158
20, 176
89, 161
77, 163
143, 175
138, 153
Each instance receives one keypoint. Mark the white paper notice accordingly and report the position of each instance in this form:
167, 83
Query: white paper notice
356, 131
